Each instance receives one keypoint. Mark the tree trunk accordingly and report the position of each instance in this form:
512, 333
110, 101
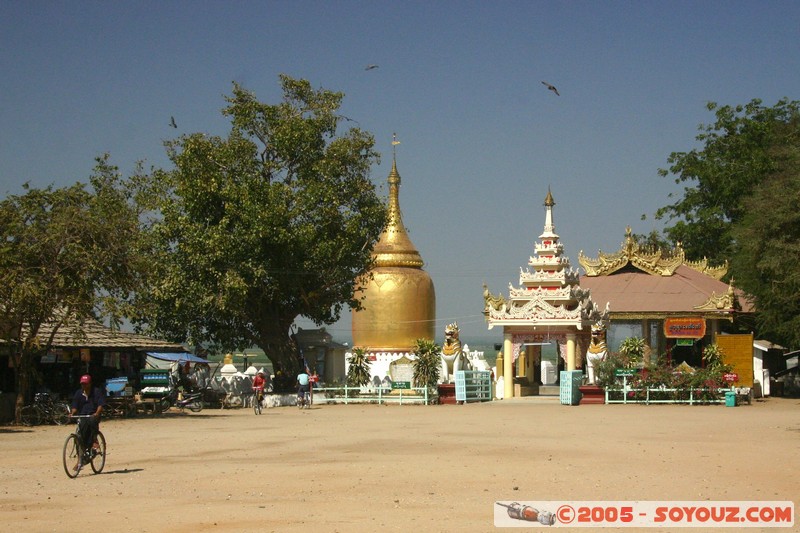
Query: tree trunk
282, 351
23, 363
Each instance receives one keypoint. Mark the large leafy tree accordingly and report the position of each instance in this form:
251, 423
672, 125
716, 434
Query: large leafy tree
768, 253
66, 255
739, 151
741, 206
274, 222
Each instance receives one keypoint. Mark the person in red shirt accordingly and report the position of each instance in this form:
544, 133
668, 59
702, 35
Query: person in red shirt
313, 379
259, 382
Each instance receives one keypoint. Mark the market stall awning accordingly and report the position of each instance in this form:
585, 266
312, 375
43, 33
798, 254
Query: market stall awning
177, 357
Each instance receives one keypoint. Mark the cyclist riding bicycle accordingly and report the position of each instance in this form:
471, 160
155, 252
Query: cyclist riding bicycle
259, 382
302, 386
88, 400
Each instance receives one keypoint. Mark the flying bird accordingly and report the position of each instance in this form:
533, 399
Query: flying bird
172, 122
370, 67
550, 87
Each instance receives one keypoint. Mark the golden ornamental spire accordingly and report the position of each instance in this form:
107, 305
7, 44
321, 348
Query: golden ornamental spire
548, 200
394, 248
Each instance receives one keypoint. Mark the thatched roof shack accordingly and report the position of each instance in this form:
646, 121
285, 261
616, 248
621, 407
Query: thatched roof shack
91, 348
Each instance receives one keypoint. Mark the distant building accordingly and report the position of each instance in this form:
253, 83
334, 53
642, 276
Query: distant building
91, 348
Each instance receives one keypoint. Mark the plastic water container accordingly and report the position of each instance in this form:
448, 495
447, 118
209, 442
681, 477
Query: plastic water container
730, 399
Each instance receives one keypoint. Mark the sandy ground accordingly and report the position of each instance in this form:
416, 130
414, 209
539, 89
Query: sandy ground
364, 468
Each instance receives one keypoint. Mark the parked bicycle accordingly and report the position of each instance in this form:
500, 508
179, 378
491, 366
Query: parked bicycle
45, 410
76, 455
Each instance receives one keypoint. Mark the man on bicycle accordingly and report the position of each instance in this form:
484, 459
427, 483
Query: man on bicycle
302, 386
88, 401
259, 382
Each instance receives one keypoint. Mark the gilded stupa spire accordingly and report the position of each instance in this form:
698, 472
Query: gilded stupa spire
394, 248
549, 227
398, 301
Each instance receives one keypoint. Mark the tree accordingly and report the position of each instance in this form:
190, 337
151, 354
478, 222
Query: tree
67, 255
274, 222
739, 151
768, 251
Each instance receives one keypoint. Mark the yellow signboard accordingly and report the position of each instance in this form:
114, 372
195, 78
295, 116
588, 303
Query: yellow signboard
737, 351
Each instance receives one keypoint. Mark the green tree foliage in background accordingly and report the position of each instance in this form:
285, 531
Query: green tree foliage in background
766, 264
272, 223
740, 205
740, 150
427, 365
67, 255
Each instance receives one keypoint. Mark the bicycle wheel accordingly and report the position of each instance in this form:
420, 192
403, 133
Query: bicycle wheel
30, 415
60, 413
99, 455
72, 455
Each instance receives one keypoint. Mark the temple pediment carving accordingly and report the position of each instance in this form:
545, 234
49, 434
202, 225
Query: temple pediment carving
652, 261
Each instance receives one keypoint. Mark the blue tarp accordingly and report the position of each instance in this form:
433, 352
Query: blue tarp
179, 357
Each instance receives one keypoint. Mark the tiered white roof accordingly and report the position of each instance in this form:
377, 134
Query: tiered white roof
550, 294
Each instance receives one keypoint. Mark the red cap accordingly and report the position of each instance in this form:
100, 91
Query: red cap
86, 378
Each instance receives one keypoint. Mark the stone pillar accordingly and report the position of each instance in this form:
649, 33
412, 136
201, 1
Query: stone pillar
499, 365
571, 351
508, 367
522, 362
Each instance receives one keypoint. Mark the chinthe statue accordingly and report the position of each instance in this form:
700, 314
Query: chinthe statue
453, 356
597, 350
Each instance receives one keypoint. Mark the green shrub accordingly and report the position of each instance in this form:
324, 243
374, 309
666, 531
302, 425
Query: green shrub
358, 373
427, 366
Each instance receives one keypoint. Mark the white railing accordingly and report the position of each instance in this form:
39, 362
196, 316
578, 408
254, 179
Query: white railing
378, 395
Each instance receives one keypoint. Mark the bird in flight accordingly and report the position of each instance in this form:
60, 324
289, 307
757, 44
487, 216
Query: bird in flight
550, 87
370, 67
172, 122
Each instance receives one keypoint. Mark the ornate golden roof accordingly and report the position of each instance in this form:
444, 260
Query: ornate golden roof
652, 261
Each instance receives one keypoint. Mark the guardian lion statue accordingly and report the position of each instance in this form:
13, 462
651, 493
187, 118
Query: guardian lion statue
597, 349
454, 357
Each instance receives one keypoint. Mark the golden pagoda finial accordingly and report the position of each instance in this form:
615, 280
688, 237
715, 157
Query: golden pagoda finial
548, 201
395, 142
394, 247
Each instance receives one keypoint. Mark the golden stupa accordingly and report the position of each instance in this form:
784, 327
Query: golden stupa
399, 303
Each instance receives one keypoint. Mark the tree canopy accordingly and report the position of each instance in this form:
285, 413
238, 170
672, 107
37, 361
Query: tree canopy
740, 150
274, 222
765, 264
740, 205
67, 255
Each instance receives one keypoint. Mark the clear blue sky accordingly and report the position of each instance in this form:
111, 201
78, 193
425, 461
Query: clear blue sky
459, 82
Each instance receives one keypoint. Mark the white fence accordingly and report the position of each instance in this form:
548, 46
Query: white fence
379, 395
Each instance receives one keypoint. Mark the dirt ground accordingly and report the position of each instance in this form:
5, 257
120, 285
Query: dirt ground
365, 468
